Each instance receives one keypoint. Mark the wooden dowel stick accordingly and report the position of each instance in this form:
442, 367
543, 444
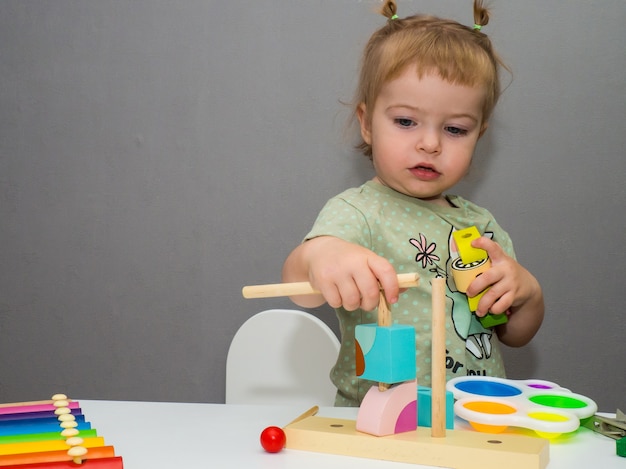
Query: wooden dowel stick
384, 320
29, 403
304, 288
309, 413
438, 358
384, 313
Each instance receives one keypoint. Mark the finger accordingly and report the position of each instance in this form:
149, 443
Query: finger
350, 295
387, 278
331, 295
494, 250
338, 291
369, 290
482, 281
494, 301
501, 305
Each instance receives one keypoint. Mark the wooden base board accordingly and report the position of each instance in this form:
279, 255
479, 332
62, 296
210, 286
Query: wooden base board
457, 450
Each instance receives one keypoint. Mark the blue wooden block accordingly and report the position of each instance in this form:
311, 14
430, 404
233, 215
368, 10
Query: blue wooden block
385, 353
424, 408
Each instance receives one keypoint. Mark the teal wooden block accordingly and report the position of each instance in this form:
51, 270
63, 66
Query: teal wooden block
385, 353
424, 408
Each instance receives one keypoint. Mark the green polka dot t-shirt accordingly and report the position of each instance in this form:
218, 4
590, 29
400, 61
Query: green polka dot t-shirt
415, 236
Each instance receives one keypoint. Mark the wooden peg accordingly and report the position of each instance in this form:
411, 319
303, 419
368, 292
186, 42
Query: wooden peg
74, 441
66, 418
62, 411
77, 453
69, 432
384, 320
384, 313
69, 424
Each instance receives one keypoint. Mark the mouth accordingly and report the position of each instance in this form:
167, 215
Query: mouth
425, 171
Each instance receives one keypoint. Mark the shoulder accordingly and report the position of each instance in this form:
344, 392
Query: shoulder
363, 199
470, 207
365, 192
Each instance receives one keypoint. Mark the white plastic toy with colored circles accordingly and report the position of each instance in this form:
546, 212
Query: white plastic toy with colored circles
493, 404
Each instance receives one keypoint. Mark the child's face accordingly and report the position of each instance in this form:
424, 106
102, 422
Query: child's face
423, 133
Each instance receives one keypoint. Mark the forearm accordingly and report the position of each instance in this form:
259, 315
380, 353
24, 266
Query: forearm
296, 269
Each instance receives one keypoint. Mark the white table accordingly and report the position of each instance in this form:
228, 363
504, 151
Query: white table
189, 436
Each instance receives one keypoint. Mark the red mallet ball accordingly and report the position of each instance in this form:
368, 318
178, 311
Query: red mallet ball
273, 439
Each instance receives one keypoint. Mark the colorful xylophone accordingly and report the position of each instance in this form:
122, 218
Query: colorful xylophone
51, 434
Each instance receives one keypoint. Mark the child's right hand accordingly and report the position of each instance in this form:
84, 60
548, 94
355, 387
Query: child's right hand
346, 274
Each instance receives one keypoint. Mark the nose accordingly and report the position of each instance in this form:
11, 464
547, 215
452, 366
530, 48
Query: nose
429, 141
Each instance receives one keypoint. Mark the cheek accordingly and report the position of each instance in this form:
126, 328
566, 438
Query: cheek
461, 163
385, 164
465, 151
380, 163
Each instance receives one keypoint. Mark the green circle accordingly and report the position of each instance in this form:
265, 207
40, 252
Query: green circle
562, 402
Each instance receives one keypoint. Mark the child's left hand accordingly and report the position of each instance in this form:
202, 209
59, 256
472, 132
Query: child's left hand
510, 284
513, 289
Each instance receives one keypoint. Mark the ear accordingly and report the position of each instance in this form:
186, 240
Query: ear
483, 128
364, 122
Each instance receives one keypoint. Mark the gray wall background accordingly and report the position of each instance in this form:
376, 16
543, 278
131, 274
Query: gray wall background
156, 156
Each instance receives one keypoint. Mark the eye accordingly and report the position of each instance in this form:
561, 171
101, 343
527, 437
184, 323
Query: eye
456, 131
404, 122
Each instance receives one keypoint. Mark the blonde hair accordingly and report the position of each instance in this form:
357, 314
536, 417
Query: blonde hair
457, 53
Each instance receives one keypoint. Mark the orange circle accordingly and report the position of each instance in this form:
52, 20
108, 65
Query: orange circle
485, 407
481, 427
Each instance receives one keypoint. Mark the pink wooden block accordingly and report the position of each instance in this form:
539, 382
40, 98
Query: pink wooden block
388, 412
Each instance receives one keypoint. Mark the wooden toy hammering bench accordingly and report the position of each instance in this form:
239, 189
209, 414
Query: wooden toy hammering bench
386, 425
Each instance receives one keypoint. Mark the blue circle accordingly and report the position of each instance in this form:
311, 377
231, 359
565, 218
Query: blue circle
488, 388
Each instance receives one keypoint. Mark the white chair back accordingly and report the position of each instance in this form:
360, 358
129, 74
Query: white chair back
282, 356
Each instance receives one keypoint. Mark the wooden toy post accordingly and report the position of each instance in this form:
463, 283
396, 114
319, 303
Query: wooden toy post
438, 358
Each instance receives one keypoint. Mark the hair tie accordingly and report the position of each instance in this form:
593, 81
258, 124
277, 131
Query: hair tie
394, 17
478, 27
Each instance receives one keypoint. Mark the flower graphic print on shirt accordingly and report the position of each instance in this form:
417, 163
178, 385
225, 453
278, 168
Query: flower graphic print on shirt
466, 324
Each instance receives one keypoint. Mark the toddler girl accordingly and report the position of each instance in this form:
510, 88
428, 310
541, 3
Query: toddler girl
426, 91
